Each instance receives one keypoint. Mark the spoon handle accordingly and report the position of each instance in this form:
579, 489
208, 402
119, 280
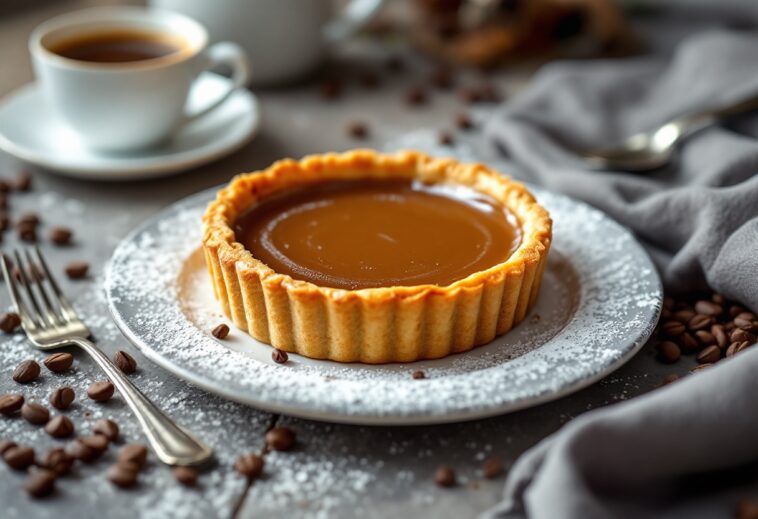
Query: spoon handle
693, 122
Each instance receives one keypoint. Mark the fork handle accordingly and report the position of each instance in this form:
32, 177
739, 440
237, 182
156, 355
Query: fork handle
171, 442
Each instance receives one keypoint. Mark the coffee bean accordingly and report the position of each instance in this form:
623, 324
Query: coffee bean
249, 465
29, 219
60, 427
672, 328
720, 336
58, 460
19, 457
35, 413
280, 438
60, 235
5, 221
4, 186
330, 89
26, 232
23, 182
699, 322
748, 316
122, 474
6, 445
96, 442
416, 96
11, 403
357, 130
134, 453
395, 64
100, 391
701, 367
668, 352
26, 372
442, 78
444, 476
746, 509
82, 452
688, 342
705, 338
59, 362
718, 299
492, 468
736, 310
107, 428
469, 95
125, 362
76, 269
187, 476
279, 356
445, 138
62, 397
369, 80
220, 331
418, 375
745, 321
40, 483
735, 348
668, 379
709, 355
9, 321
740, 335
463, 121
488, 93
709, 308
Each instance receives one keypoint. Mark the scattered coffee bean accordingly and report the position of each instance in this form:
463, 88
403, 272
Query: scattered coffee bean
444, 476
469, 95
59, 362
187, 476
5, 221
709, 355
492, 468
6, 445
280, 438
4, 186
249, 465
60, 427
720, 335
58, 460
416, 96
11, 403
669, 352
705, 338
35, 413
357, 130
442, 78
708, 308
279, 356
40, 483
97, 442
23, 182
134, 453
687, 342
107, 428
418, 375
60, 235
26, 372
699, 322
683, 316
76, 269
672, 328
463, 121
736, 310
19, 457
62, 398
123, 474
745, 321
26, 232
330, 89
668, 379
740, 335
82, 452
29, 219
9, 321
125, 362
445, 138
100, 391
220, 331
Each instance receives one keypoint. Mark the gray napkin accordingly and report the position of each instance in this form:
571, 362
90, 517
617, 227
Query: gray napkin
699, 221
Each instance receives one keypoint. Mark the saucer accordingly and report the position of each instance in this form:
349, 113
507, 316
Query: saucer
30, 131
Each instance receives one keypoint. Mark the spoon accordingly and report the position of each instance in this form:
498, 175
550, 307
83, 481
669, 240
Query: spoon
655, 148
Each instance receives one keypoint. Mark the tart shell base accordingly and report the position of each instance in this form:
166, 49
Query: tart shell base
376, 325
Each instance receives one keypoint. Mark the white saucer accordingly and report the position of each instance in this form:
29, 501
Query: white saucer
599, 302
30, 131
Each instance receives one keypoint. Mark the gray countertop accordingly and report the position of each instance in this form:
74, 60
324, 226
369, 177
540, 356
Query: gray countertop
336, 470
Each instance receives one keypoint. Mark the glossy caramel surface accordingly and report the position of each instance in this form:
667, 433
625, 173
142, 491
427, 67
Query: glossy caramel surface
379, 233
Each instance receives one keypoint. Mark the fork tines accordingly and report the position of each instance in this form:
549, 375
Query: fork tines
34, 291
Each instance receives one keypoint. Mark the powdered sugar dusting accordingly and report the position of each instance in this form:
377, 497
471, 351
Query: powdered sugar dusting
599, 302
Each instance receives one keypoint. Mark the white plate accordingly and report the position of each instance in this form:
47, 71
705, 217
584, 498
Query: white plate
599, 302
30, 131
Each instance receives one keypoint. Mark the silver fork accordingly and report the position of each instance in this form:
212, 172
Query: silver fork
50, 322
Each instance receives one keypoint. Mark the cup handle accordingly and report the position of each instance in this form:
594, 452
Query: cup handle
351, 19
231, 55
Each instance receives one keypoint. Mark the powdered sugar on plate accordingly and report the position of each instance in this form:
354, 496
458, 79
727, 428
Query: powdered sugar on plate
599, 302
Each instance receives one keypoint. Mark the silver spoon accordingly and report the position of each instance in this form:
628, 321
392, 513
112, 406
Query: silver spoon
655, 148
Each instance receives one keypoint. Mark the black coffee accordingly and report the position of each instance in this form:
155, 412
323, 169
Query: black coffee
117, 46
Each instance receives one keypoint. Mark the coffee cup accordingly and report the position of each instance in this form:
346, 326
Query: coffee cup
120, 77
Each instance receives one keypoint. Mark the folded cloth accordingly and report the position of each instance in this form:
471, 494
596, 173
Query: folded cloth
699, 217
699, 220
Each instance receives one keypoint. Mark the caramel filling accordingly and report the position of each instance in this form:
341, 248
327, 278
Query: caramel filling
379, 233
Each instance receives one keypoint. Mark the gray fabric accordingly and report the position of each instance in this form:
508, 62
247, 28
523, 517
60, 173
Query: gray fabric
699, 220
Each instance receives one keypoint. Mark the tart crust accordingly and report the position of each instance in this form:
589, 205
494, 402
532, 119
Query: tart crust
373, 325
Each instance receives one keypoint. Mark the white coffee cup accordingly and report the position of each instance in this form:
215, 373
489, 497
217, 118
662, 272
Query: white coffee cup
284, 39
132, 104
